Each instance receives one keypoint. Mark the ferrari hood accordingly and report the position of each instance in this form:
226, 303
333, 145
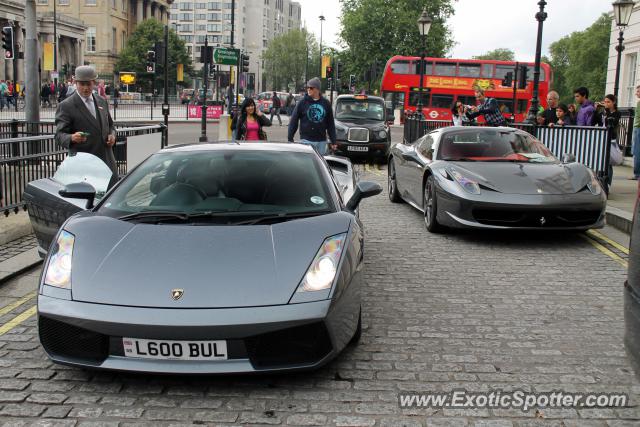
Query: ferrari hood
527, 178
122, 263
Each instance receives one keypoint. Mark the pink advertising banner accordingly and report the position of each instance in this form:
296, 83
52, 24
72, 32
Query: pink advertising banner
213, 111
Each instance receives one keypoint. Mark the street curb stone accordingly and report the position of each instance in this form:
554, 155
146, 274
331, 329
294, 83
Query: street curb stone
18, 264
619, 219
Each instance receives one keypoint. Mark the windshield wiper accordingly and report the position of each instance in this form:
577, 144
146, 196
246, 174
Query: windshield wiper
460, 159
282, 217
154, 215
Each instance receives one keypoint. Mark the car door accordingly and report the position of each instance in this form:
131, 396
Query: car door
408, 168
48, 210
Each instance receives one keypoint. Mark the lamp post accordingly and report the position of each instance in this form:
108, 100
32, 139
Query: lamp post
321, 21
622, 10
535, 102
424, 24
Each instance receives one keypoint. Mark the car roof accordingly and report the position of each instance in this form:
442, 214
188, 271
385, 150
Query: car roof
450, 129
242, 146
375, 98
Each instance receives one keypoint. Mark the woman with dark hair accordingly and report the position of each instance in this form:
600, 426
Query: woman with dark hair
458, 114
249, 123
611, 119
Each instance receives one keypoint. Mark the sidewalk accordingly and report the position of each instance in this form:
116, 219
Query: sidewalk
622, 197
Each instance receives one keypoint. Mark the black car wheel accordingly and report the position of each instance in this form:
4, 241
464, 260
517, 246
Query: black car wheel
394, 196
358, 333
431, 206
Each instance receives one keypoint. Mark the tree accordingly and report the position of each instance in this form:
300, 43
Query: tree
285, 60
500, 54
376, 30
143, 39
580, 59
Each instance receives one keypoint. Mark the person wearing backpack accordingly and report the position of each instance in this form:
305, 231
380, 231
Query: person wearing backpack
276, 104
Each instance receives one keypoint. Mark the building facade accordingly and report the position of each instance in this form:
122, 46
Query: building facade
71, 35
108, 24
256, 23
629, 75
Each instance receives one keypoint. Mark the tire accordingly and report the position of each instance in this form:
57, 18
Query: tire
430, 205
392, 183
356, 336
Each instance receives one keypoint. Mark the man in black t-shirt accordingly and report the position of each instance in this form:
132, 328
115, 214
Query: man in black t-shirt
549, 113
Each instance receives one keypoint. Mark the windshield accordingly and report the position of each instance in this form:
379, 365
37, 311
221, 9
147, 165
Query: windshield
85, 167
494, 145
266, 182
359, 109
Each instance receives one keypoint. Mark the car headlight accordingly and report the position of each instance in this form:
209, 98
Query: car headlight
59, 269
324, 267
469, 185
594, 185
382, 134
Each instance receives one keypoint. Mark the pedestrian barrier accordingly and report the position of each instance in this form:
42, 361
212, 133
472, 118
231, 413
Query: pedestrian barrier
27, 156
589, 144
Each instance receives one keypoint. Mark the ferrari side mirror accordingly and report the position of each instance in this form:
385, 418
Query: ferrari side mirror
79, 190
363, 190
568, 158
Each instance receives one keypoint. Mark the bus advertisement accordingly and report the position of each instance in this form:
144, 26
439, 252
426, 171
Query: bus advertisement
449, 80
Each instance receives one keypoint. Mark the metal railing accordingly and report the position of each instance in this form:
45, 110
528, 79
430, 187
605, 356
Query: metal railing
27, 157
589, 144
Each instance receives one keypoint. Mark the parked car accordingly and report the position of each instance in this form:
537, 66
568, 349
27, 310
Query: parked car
186, 95
493, 178
205, 212
263, 101
632, 295
361, 127
199, 97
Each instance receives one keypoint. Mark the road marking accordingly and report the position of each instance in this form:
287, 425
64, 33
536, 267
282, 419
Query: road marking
17, 320
4, 310
606, 251
616, 245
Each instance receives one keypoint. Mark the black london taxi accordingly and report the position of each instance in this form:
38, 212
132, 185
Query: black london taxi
361, 127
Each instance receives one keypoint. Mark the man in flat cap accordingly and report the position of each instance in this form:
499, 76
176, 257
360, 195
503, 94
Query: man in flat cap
83, 122
316, 119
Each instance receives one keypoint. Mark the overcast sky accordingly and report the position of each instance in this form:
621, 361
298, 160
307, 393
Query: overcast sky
482, 25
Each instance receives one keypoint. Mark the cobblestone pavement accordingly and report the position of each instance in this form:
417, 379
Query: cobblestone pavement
15, 247
474, 311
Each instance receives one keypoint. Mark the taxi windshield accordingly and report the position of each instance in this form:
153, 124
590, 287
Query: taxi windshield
220, 181
354, 109
494, 145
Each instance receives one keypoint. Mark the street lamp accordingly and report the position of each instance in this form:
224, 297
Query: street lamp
321, 21
622, 13
535, 102
424, 25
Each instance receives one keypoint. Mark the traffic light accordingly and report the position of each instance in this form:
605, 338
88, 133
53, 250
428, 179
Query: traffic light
329, 72
65, 70
7, 42
151, 61
522, 77
339, 70
213, 70
508, 79
352, 81
244, 59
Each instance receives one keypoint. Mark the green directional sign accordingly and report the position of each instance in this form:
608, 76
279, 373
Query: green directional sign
225, 56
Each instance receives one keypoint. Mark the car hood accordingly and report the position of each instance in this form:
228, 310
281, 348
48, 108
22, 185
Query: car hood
527, 178
123, 263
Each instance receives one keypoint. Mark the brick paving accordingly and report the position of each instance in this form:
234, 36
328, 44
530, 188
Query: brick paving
18, 246
474, 311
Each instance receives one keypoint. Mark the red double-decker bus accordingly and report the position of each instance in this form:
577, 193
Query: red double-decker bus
448, 80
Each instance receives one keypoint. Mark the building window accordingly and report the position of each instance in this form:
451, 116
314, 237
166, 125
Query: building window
186, 6
201, 5
187, 38
113, 4
200, 39
174, 6
90, 2
91, 39
201, 27
213, 5
123, 40
124, 5
632, 67
186, 28
215, 28
201, 16
114, 42
43, 2
186, 17
213, 16
63, 2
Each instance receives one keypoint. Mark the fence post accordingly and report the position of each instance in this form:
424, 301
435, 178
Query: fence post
15, 147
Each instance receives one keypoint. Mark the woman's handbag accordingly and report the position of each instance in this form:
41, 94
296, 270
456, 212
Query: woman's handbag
616, 158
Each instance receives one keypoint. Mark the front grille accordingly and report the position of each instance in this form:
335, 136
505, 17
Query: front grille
358, 135
63, 339
301, 345
541, 219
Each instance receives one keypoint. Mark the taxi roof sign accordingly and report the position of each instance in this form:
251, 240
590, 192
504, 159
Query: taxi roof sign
360, 97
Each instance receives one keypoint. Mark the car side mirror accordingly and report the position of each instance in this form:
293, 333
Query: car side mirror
79, 190
363, 190
568, 158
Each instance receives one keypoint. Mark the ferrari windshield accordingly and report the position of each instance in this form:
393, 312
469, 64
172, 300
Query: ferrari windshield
493, 144
368, 109
216, 182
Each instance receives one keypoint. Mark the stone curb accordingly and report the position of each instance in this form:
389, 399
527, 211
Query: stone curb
14, 227
619, 219
18, 264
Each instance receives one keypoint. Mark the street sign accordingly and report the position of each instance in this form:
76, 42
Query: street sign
225, 56
55, 75
128, 78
